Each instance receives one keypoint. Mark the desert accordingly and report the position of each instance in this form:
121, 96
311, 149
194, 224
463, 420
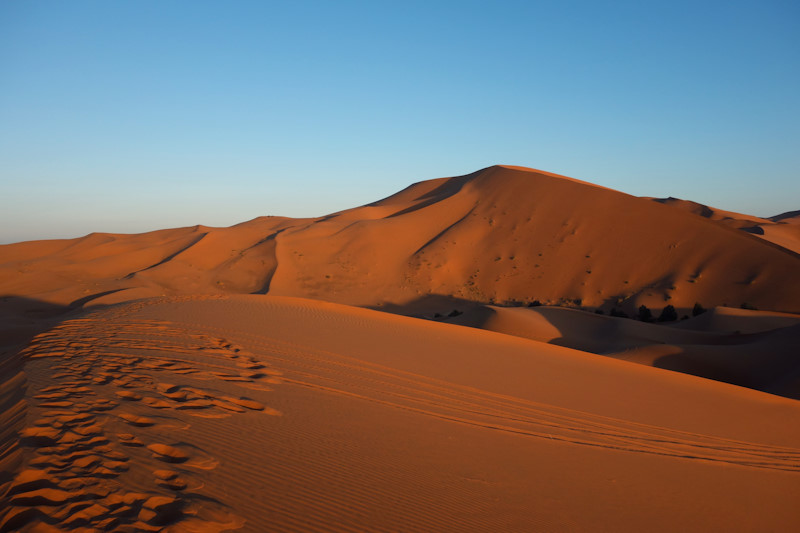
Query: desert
401, 267
469, 354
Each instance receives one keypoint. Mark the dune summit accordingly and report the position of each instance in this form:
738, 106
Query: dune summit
434, 361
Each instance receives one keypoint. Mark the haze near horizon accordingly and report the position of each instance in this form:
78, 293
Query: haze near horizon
132, 117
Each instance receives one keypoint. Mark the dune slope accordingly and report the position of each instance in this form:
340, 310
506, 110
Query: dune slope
209, 414
754, 349
782, 230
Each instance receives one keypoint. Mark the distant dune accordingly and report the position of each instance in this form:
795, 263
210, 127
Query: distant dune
263, 377
783, 229
499, 235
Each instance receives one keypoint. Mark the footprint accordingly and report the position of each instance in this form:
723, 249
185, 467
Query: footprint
228, 406
45, 496
56, 404
244, 402
70, 419
168, 454
128, 395
177, 396
127, 439
156, 403
194, 404
170, 479
161, 510
165, 475
166, 387
40, 436
88, 514
138, 421
51, 396
251, 366
31, 479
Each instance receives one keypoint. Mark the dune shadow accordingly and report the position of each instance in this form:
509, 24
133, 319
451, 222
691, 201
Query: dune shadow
450, 187
755, 230
429, 306
775, 372
719, 357
696, 366
80, 302
21, 319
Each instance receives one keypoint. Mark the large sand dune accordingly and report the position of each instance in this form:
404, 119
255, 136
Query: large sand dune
501, 234
245, 378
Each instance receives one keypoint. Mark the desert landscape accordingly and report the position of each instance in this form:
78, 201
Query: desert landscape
507, 350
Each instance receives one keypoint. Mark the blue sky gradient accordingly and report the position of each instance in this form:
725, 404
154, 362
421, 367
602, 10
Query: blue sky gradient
133, 116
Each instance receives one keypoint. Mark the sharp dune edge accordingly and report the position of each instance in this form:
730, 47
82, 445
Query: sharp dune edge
251, 379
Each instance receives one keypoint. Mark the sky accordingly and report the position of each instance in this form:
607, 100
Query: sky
130, 116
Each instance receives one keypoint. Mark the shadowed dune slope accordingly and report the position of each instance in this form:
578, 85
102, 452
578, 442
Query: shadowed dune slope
782, 230
282, 414
499, 234
753, 349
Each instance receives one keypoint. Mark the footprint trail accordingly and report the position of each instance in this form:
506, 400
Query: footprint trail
109, 396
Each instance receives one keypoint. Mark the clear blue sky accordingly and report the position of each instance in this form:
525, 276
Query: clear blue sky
130, 116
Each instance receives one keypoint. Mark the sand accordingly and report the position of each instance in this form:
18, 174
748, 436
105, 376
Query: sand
265, 377
754, 349
499, 235
782, 230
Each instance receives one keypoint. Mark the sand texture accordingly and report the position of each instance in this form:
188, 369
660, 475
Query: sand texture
379, 369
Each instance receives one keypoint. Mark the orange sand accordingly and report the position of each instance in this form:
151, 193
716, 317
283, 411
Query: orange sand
211, 379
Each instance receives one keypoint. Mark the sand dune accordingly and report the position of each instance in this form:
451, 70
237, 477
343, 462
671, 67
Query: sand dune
783, 229
753, 349
540, 237
268, 376
215, 414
